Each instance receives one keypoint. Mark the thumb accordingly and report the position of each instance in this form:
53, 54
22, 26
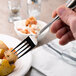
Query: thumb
67, 16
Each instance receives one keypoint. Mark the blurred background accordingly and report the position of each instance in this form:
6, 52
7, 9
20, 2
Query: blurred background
47, 7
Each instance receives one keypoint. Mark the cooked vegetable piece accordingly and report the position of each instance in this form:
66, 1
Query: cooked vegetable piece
2, 53
30, 21
12, 49
33, 31
30, 26
7, 59
10, 56
3, 45
5, 67
27, 22
25, 31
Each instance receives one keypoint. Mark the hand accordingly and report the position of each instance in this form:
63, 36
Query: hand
65, 27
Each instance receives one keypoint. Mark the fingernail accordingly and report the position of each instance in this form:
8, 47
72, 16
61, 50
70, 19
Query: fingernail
61, 11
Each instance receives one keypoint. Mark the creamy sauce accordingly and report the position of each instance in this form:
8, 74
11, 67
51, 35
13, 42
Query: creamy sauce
21, 26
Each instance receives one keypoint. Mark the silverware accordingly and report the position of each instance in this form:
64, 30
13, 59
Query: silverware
25, 46
71, 4
31, 41
61, 53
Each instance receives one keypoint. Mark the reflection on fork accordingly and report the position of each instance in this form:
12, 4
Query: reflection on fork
24, 47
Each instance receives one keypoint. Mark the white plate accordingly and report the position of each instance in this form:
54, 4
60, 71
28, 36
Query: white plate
23, 64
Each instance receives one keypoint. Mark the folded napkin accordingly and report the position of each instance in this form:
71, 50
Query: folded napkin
48, 62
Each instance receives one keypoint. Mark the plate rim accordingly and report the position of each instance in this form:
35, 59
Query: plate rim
30, 64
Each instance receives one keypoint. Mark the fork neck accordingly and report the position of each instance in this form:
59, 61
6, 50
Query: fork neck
48, 25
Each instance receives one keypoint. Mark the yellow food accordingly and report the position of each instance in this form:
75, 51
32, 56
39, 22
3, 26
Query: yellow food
7, 59
10, 56
2, 53
5, 67
3, 45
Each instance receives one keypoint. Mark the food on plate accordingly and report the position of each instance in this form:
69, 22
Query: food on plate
10, 56
2, 53
5, 67
7, 59
30, 26
3, 46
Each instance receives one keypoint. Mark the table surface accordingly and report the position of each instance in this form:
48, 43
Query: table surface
47, 8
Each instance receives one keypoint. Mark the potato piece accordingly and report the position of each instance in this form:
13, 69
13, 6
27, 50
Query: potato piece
3, 45
10, 56
5, 67
2, 53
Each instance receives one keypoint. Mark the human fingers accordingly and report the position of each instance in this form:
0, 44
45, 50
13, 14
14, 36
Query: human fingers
56, 26
62, 31
66, 38
67, 15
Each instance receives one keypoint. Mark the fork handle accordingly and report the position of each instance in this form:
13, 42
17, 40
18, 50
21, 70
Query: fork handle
71, 4
48, 25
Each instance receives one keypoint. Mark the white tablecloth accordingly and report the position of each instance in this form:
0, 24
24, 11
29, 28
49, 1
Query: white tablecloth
49, 63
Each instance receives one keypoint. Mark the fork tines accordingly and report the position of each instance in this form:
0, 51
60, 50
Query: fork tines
24, 47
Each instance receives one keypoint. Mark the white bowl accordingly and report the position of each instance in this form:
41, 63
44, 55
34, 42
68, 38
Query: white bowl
23, 36
24, 63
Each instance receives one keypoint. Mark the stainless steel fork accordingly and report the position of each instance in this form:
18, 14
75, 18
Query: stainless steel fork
30, 42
